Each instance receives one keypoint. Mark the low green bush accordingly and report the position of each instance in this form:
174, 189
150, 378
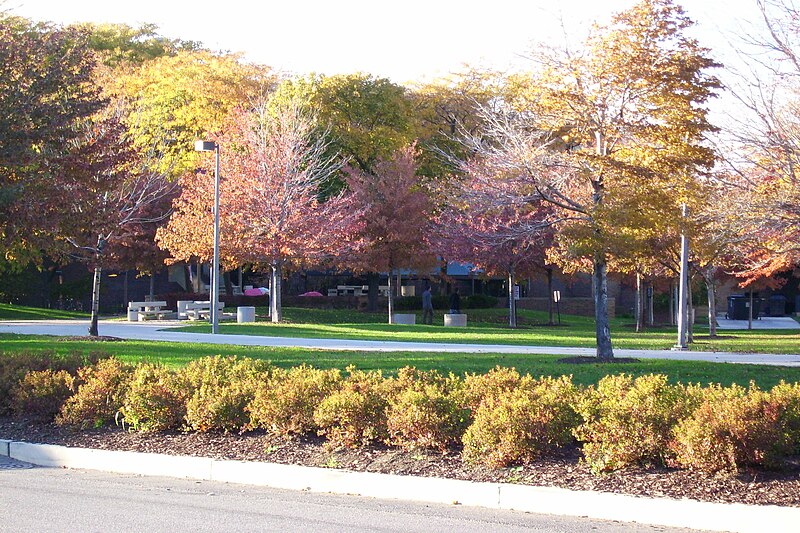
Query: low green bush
14, 366
735, 427
221, 389
425, 418
42, 393
99, 396
155, 400
285, 403
355, 415
496, 382
627, 421
519, 425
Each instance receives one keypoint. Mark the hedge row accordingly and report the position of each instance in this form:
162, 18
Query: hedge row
500, 418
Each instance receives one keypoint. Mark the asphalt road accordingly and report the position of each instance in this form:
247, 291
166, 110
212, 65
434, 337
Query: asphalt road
56, 500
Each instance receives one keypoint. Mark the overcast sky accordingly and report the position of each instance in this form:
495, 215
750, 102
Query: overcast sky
403, 40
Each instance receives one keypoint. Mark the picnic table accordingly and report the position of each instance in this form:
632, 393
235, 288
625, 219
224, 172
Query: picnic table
201, 310
140, 311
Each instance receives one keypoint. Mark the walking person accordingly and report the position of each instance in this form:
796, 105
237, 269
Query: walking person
455, 303
427, 306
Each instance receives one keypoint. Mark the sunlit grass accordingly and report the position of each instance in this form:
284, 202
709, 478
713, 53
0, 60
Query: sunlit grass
21, 312
178, 354
488, 326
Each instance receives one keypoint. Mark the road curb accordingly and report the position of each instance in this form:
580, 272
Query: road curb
545, 500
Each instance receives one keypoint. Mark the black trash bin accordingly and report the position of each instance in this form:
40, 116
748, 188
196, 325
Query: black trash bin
777, 305
738, 305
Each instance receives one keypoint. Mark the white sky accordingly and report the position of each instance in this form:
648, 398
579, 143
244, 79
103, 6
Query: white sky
404, 40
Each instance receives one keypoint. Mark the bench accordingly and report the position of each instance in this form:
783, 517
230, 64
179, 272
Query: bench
139, 311
201, 310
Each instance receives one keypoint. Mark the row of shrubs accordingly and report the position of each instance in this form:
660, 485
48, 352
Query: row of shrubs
500, 418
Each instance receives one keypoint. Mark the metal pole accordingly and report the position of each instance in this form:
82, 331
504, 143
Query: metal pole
215, 264
683, 290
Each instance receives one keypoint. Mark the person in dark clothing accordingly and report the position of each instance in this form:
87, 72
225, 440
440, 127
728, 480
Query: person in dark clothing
427, 306
455, 303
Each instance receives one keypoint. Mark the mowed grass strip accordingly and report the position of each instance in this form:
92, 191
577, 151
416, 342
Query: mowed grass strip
178, 354
21, 312
490, 326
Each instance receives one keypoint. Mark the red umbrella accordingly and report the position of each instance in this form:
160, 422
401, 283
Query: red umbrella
311, 293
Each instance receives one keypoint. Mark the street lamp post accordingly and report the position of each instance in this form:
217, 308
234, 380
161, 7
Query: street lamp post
209, 146
683, 291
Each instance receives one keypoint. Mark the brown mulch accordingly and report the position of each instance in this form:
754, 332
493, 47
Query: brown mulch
754, 487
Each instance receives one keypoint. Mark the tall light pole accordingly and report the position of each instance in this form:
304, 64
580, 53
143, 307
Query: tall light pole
683, 290
209, 146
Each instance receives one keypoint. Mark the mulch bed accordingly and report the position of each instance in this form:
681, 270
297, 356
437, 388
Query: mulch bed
754, 487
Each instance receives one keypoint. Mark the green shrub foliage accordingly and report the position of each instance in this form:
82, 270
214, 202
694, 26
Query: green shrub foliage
355, 415
99, 396
520, 424
156, 399
42, 393
14, 366
220, 391
735, 427
424, 410
627, 421
285, 403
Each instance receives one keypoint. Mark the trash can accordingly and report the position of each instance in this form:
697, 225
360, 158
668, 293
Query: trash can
777, 305
739, 304
245, 314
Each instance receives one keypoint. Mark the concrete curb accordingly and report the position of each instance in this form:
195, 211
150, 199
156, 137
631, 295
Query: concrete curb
545, 500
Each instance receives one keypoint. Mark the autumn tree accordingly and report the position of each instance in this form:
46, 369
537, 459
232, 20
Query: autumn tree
272, 166
46, 89
394, 219
764, 151
626, 115
495, 224
176, 99
100, 196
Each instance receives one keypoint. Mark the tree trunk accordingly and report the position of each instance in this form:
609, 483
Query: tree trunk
95, 302
443, 278
639, 307
711, 287
152, 286
373, 283
226, 279
651, 318
602, 326
187, 277
550, 296
275, 292
512, 309
671, 303
399, 288
391, 297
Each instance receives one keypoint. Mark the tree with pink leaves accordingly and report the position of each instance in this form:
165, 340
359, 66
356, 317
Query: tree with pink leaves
497, 228
272, 166
394, 220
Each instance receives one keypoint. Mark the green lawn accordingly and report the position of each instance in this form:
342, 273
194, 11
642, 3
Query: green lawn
19, 312
176, 354
489, 326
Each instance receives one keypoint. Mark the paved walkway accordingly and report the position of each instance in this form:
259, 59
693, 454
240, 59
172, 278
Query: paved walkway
162, 331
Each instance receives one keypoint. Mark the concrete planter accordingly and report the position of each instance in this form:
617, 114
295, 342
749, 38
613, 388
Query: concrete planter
455, 321
405, 318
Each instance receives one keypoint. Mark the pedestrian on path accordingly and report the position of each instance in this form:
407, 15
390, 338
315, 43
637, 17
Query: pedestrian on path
427, 306
455, 303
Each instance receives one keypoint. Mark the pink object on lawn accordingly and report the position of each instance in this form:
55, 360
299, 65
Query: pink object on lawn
258, 291
311, 293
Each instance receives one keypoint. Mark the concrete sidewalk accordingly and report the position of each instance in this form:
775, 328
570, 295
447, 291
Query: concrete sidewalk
544, 500
162, 331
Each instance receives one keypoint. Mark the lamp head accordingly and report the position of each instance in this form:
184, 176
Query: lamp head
205, 146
